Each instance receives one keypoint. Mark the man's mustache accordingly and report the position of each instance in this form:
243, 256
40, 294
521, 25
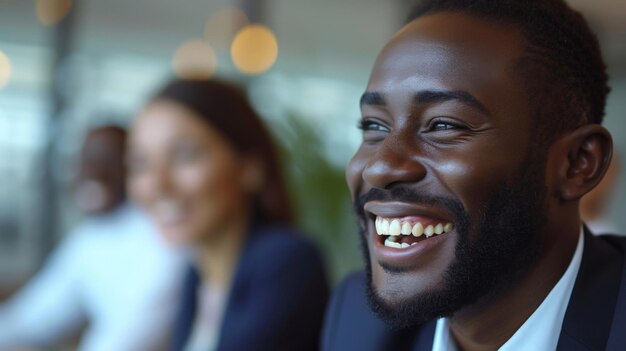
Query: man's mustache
406, 194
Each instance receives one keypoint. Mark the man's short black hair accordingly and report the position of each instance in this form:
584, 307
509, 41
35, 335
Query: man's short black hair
562, 68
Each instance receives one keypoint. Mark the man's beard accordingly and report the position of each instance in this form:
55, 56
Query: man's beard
505, 248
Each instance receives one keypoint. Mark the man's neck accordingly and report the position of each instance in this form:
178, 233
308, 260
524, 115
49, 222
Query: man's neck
492, 321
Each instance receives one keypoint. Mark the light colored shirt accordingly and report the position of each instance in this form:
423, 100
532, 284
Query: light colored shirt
208, 320
114, 272
542, 329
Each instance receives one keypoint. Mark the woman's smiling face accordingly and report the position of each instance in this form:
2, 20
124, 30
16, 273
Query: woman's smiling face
184, 173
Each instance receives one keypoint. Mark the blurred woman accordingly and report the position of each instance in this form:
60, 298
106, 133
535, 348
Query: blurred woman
204, 166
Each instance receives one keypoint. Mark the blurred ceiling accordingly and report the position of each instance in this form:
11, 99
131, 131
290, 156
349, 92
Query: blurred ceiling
337, 38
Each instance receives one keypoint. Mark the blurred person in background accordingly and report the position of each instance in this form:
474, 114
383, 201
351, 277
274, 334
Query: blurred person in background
594, 205
204, 166
110, 272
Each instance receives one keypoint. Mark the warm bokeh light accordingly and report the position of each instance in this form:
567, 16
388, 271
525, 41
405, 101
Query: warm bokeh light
194, 59
5, 70
221, 27
51, 12
254, 49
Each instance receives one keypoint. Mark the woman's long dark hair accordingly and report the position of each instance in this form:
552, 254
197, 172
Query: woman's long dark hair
226, 108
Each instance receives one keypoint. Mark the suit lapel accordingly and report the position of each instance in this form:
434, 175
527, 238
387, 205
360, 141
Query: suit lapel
617, 338
591, 307
425, 337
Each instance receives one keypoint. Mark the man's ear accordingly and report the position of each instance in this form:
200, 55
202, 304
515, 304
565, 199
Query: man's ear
581, 157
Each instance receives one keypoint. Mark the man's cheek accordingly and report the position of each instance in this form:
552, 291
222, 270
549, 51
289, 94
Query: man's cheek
354, 173
468, 181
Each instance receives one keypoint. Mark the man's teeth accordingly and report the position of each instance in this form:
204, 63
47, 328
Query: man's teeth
396, 227
381, 226
391, 242
418, 229
438, 229
429, 231
406, 228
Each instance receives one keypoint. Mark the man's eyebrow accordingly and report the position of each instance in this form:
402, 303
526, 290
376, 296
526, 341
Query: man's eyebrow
430, 96
372, 98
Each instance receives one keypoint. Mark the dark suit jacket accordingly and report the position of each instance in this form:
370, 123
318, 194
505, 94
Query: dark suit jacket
277, 299
595, 318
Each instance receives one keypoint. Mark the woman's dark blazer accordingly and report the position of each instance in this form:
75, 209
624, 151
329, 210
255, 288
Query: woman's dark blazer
277, 300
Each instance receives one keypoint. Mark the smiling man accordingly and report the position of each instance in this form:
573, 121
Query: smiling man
481, 132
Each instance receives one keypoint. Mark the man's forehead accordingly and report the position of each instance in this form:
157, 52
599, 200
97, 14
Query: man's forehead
462, 28
436, 37
448, 51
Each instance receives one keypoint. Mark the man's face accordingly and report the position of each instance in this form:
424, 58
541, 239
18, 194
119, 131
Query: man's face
100, 181
446, 163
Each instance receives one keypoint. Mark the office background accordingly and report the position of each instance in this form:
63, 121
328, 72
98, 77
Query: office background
67, 66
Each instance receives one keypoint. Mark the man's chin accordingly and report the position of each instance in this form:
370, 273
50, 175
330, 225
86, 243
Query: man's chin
400, 297
403, 312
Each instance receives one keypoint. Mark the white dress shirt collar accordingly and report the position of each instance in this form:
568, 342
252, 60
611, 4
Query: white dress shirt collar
542, 329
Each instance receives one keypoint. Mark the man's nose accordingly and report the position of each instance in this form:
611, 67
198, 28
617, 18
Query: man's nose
394, 162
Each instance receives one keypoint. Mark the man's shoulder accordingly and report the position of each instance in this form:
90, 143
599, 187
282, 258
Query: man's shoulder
616, 337
598, 297
615, 240
125, 222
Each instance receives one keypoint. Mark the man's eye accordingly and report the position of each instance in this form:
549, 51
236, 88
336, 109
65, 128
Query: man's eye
445, 125
371, 126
